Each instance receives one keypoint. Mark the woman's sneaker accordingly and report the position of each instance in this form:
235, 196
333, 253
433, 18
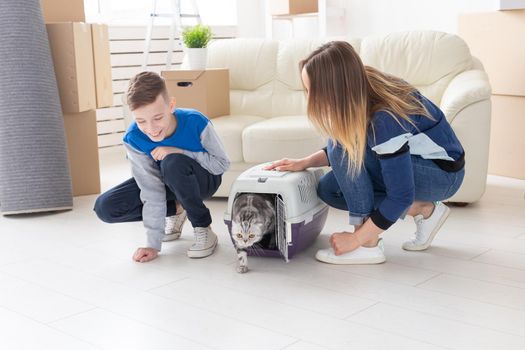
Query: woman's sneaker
173, 228
426, 229
362, 255
205, 243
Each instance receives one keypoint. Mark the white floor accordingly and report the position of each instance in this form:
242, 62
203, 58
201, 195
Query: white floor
67, 282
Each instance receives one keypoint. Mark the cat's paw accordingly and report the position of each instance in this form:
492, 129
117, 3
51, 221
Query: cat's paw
242, 269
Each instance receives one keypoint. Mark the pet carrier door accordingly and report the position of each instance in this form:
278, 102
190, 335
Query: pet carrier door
282, 242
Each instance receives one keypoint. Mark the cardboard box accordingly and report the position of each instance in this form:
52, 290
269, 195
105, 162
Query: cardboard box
207, 91
507, 144
292, 7
102, 63
497, 39
72, 52
82, 147
63, 10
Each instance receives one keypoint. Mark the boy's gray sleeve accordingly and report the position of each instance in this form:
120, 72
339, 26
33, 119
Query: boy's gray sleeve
152, 194
215, 159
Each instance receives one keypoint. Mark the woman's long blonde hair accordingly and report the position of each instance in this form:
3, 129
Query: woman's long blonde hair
344, 95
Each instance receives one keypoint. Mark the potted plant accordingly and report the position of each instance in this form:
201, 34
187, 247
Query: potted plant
196, 39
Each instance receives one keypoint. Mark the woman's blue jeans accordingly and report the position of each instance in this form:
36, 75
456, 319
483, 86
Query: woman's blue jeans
360, 194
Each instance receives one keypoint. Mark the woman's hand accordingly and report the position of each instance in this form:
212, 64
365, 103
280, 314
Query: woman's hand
161, 152
366, 235
286, 164
344, 242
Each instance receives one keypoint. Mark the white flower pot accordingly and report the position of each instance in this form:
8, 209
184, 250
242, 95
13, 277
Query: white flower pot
197, 58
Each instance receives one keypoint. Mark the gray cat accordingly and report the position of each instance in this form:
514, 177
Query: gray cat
253, 222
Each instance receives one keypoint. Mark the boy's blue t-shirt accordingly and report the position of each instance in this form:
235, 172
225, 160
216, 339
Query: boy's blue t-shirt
187, 135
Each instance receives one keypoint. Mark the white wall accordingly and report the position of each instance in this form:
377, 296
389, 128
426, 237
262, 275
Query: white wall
365, 17
385, 16
251, 21
136, 12
250, 18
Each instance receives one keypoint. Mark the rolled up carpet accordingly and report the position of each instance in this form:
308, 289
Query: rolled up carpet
34, 171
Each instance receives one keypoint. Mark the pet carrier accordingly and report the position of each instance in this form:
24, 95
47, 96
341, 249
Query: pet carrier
300, 213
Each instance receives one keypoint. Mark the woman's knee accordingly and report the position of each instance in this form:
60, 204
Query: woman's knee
330, 193
322, 189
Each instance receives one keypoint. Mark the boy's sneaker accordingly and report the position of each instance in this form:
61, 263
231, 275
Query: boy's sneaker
205, 243
426, 229
174, 225
362, 255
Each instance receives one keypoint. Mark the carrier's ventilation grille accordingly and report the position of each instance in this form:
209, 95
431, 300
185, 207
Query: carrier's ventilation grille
307, 188
282, 242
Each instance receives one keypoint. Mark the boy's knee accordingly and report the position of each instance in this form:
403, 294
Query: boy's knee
103, 209
175, 164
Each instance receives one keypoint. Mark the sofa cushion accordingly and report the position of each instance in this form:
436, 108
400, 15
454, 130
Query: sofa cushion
252, 65
252, 62
292, 52
274, 138
289, 98
257, 102
230, 128
426, 59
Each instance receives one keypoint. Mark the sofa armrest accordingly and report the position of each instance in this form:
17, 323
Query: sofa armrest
465, 89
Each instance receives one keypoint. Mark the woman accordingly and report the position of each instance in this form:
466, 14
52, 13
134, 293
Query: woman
391, 150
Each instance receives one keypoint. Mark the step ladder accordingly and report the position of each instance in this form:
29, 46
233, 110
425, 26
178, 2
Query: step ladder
175, 27
175, 30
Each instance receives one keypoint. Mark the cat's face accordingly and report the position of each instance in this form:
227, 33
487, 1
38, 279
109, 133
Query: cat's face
247, 232
253, 216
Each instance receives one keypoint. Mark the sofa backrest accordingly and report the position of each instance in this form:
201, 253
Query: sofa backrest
426, 59
265, 77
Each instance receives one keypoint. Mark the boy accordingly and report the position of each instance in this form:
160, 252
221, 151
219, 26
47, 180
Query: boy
177, 160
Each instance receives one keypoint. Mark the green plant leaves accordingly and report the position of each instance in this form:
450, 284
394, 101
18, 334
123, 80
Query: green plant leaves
197, 36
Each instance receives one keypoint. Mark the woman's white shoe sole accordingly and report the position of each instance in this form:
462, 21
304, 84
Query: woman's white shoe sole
361, 261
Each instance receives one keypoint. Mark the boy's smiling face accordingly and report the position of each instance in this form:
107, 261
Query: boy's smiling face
156, 119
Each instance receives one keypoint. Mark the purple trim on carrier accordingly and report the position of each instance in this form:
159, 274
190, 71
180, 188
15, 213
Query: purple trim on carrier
303, 235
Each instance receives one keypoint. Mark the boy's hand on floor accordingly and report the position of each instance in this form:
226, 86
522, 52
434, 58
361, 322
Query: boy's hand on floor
145, 254
159, 153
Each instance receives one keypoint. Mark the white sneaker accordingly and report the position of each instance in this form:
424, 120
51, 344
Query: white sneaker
426, 229
173, 228
362, 255
205, 243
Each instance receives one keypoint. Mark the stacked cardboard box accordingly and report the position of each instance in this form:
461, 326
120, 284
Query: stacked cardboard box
81, 58
71, 48
207, 91
496, 38
63, 10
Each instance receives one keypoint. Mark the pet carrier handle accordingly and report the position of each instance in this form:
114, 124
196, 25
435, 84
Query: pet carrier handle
184, 84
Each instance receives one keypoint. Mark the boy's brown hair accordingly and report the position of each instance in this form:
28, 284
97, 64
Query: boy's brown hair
144, 88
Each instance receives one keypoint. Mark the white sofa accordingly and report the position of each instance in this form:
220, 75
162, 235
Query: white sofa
268, 107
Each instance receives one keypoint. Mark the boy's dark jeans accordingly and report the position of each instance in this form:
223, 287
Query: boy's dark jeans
187, 182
